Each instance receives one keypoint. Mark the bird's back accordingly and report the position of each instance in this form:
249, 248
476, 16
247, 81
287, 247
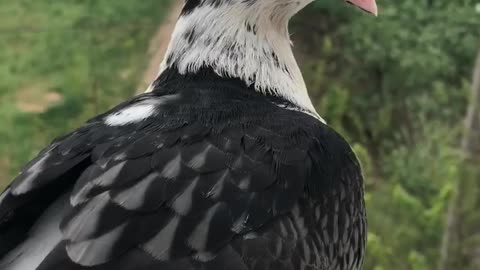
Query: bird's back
201, 173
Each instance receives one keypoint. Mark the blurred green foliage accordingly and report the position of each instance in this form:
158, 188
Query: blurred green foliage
397, 87
90, 53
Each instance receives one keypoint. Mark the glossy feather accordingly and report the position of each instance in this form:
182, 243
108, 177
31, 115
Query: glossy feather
204, 182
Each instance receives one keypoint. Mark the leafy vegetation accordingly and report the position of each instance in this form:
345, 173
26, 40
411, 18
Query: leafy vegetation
397, 87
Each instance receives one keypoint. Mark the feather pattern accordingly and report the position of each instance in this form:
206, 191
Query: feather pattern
218, 177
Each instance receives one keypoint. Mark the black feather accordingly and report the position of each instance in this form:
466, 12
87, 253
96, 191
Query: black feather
219, 177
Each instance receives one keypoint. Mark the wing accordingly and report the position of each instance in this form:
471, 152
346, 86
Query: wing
161, 188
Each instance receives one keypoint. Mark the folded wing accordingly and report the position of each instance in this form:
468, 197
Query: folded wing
169, 192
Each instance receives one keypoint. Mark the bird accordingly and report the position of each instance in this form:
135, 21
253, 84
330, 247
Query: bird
222, 164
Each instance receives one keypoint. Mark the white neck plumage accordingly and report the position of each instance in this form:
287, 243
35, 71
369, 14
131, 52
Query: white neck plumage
246, 41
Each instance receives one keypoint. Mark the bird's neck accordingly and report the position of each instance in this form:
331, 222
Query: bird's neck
255, 48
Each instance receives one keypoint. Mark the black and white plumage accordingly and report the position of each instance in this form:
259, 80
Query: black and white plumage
206, 171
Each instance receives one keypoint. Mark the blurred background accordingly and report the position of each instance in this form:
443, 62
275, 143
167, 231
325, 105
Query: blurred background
403, 88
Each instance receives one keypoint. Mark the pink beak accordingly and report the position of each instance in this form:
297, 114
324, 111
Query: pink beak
369, 6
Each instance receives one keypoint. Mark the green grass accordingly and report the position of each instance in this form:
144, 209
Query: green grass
91, 52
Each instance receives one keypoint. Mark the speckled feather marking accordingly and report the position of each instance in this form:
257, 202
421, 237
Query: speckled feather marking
243, 39
218, 178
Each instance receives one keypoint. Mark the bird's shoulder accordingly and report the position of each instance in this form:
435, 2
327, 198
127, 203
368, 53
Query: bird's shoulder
168, 174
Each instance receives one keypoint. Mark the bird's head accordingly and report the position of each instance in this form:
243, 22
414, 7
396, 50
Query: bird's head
246, 40
286, 7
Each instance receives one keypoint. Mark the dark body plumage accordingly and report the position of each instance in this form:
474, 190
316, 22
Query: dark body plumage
218, 177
